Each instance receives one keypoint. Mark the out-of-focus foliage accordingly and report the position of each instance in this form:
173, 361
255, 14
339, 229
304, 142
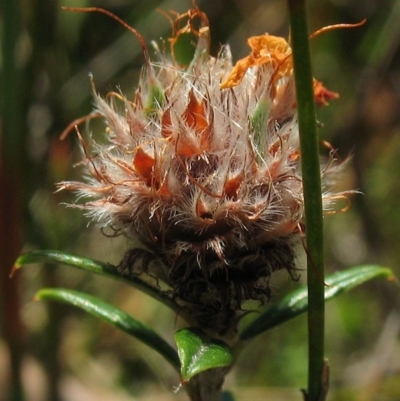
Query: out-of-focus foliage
64, 348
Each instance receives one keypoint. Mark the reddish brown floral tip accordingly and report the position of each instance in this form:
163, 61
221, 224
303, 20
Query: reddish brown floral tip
232, 186
322, 95
144, 165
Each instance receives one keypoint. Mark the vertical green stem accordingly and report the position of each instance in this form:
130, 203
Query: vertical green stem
11, 194
312, 194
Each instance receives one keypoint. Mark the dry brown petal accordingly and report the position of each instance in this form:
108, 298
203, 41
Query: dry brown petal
144, 164
232, 186
265, 49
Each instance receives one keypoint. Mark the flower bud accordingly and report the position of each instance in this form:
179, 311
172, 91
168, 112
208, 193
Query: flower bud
203, 167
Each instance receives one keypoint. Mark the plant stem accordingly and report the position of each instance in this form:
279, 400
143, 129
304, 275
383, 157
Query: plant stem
312, 194
11, 184
207, 385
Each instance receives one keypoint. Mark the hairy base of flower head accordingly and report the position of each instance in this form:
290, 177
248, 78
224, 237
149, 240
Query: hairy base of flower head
214, 294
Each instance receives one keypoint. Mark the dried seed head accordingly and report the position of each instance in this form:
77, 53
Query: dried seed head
203, 167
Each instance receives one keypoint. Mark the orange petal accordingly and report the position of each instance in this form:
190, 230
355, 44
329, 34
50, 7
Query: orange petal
196, 119
265, 49
195, 114
144, 164
237, 73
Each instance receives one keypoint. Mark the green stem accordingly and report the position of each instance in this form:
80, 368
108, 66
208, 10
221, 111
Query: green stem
12, 193
312, 194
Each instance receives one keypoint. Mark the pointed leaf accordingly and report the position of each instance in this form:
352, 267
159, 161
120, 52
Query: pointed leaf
198, 352
50, 256
296, 302
93, 266
113, 316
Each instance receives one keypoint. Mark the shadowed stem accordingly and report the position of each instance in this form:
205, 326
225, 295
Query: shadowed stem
312, 195
11, 184
206, 386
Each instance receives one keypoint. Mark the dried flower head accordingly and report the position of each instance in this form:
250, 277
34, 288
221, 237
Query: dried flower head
203, 168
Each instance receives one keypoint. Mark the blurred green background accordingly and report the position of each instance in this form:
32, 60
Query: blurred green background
63, 354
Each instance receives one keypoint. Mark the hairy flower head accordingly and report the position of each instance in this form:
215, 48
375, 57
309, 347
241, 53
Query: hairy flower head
203, 167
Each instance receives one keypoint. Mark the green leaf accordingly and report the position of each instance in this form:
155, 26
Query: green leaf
50, 256
113, 316
198, 352
93, 266
296, 303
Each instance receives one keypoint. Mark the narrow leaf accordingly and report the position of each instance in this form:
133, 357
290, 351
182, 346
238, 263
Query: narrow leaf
296, 302
93, 266
198, 352
50, 256
113, 316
